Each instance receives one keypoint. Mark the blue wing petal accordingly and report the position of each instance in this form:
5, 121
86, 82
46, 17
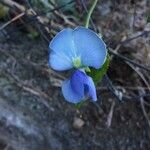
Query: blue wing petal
69, 94
90, 46
59, 62
91, 90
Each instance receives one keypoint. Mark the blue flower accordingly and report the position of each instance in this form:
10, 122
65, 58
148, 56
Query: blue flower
79, 48
79, 87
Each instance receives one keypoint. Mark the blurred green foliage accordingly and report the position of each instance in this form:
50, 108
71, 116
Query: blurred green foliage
70, 7
48, 4
33, 35
148, 17
3, 11
41, 5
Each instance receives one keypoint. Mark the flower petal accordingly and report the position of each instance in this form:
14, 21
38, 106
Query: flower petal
69, 94
83, 84
90, 46
78, 87
59, 62
91, 90
63, 43
77, 82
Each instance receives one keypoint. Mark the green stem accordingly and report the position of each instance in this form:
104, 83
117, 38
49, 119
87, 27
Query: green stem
78, 106
90, 13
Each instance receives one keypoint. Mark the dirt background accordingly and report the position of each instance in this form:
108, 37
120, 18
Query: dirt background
33, 112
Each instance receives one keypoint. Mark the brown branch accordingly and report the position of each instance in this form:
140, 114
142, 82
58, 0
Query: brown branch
143, 109
13, 4
139, 74
12, 20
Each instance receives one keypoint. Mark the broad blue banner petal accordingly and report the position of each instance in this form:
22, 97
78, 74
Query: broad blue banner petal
63, 43
59, 61
90, 46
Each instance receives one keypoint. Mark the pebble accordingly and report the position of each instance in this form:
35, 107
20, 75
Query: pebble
78, 123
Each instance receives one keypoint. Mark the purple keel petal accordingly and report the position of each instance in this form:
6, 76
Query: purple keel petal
77, 82
83, 85
78, 87
69, 94
90, 46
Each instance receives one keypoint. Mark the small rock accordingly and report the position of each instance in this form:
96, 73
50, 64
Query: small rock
78, 123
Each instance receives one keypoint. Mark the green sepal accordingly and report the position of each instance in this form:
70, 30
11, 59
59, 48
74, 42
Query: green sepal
97, 74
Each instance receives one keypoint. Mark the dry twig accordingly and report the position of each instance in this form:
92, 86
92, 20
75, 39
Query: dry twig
12, 20
110, 115
143, 108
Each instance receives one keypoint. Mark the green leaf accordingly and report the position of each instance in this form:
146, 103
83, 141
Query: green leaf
97, 74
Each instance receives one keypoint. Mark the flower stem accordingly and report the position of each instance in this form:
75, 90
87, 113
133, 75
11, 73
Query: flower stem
78, 105
90, 13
